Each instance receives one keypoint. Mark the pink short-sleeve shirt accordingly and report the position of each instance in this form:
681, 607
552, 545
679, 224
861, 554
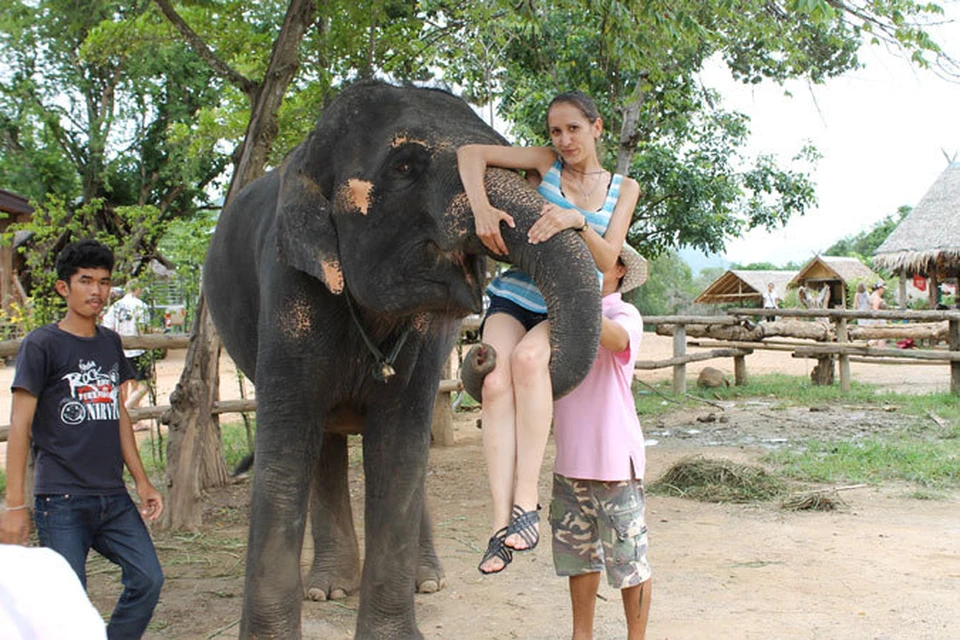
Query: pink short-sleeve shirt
595, 426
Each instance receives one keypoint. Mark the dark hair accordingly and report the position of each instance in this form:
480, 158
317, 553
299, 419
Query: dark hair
623, 264
83, 254
580, 100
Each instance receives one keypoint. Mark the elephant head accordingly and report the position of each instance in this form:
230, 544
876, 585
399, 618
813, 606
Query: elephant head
372, 205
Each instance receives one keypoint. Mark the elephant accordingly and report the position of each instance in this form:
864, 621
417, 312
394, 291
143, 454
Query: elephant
337, 282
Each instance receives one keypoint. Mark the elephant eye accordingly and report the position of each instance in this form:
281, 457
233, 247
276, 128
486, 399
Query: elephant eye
404, 167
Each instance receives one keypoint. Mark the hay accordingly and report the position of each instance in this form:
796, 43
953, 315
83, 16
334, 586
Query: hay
815, 501
709, 480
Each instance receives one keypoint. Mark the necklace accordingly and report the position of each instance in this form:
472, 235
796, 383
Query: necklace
585, 173
584, 194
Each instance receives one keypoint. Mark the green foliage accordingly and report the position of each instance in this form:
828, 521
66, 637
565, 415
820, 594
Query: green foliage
52, 226
233, 439
929, 463
669, 289
104, 101
640, 60
766, 266
862, 245
923, 452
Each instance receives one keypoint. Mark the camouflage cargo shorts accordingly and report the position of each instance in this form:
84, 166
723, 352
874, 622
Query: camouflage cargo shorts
599, 525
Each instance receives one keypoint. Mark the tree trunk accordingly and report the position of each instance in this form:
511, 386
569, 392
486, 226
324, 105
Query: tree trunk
194, 463
194, 453
629, 132
755, 331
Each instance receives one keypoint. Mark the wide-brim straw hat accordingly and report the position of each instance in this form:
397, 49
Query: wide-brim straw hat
637, 271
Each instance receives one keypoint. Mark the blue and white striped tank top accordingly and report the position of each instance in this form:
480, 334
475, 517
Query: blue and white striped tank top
517, 286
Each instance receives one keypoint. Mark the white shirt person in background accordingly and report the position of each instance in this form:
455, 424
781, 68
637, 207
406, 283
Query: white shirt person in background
771, 299
128, 316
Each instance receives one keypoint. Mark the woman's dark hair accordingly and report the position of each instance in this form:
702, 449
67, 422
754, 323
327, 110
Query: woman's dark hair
580, 100
83, 254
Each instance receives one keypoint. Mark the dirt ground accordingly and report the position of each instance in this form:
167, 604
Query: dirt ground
886, 565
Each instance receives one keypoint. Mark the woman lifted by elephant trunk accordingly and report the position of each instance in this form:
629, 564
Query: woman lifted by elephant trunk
517, 397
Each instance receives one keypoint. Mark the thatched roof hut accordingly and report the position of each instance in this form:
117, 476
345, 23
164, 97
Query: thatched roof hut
837, 272
744, 287
927, 241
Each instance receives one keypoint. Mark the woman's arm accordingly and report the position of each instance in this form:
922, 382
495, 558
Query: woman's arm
606, 248
472, 163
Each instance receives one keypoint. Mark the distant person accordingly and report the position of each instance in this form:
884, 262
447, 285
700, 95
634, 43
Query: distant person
128, 316
861, 301
597, 512
876, 304
68, 391
771, 300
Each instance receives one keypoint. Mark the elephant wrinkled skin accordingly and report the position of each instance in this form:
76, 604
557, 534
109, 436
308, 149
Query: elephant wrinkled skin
365, 229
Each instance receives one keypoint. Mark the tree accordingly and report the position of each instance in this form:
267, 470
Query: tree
97, 128
669, 289
863, 244
641, 61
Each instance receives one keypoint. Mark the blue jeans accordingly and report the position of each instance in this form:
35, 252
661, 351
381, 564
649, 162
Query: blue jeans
71, 525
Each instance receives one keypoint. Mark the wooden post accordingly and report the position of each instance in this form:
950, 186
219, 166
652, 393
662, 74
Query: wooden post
844, 358
441, 430
679, 370
740, 371
955, 365
934, 290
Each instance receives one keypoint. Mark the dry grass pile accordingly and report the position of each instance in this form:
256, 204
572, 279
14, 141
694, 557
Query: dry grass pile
816, 501
712, 480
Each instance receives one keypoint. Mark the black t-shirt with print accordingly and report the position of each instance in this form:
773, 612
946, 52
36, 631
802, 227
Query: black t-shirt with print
76, 427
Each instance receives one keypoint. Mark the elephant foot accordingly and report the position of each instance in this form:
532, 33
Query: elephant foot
430, 577
322, 584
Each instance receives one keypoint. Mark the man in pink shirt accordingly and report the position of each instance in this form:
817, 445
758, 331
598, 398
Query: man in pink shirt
597, 511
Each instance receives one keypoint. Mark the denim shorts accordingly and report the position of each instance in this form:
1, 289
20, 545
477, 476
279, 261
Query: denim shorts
600, 525
529, 319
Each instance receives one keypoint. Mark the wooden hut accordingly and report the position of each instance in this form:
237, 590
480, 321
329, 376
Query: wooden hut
14, 209
744, 287
927, 242
835, 271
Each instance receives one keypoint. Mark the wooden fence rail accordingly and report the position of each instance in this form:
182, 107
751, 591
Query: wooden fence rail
843, 350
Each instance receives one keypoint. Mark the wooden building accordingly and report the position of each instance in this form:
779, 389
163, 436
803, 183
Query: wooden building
744, 287
838, 273
14, 209
926, 244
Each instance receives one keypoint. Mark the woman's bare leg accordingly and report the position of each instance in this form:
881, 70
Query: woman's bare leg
503, 333
533, 401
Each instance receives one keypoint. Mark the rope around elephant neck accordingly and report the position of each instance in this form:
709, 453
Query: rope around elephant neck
383, 370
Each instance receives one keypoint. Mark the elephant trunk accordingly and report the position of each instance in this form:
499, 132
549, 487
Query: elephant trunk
565, 273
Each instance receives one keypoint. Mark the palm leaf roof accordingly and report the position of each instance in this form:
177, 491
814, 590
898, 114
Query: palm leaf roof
930, 234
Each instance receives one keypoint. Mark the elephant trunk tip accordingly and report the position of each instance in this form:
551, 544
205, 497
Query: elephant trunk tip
479, 361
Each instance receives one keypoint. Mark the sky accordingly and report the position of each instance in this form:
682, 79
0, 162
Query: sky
882, 131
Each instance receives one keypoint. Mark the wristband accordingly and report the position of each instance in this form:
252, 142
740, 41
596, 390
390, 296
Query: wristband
582, 227
23, 506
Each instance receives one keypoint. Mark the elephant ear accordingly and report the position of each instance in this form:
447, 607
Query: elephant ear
306, 236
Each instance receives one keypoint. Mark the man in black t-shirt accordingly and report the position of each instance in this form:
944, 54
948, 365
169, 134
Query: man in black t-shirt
67, 393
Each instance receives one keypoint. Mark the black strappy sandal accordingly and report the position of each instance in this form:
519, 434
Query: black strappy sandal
496, 548
524, 524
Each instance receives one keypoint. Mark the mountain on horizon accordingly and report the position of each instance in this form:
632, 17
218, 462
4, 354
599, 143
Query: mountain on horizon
698, 260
